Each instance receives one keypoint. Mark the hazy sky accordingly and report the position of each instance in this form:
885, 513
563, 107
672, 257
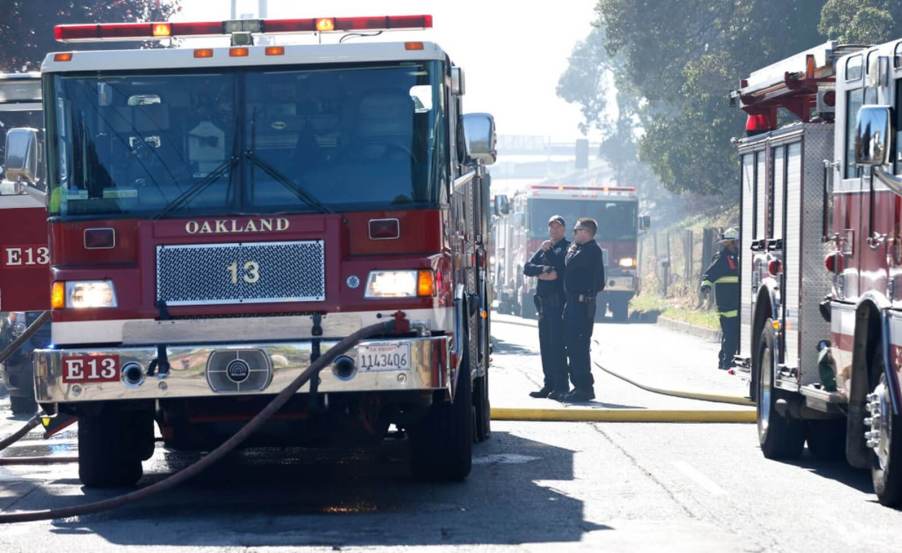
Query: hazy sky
512, 52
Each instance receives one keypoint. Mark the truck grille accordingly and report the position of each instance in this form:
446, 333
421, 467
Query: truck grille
251, 272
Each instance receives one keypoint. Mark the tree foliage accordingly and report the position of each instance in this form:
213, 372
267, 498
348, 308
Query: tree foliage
26, 28
861, 21
677, 60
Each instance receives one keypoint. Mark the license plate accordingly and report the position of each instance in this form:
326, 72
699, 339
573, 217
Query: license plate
388, 356
83, 369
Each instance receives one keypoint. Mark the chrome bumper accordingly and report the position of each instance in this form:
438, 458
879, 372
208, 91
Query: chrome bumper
195, 371
621, 283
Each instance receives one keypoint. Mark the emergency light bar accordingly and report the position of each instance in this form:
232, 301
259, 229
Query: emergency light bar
583, 188
162, 30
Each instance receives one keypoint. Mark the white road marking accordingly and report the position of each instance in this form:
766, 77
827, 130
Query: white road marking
503, 459
700, 479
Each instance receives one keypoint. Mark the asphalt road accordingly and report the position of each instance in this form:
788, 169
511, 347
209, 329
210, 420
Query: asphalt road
535, 486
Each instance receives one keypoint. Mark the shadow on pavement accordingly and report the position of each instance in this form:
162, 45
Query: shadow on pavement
502, 347
342, 498
839, 471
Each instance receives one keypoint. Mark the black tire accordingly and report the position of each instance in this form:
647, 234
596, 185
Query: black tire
482, 408
826, 439
886, 472
109, 452
779, 437
21, 405
441, 445
620, 311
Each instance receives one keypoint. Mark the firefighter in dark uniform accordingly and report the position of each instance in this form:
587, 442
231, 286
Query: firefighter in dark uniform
723, 275
547, 264
583, 280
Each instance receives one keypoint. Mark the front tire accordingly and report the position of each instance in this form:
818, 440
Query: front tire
441, 445
779, 437
110, 448
21, 405
482, 408
885, 438
620, 310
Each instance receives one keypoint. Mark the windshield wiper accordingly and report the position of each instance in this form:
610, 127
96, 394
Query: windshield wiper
289, 184
198, 187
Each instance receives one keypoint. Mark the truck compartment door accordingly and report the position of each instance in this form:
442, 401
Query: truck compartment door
24, 254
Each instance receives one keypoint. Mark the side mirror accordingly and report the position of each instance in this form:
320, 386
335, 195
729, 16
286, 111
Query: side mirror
21, 163
479, 133
873, 138
458, 82
644, 222
502, 205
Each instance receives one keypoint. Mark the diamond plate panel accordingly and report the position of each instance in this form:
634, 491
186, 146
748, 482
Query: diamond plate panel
816, 282
249, 272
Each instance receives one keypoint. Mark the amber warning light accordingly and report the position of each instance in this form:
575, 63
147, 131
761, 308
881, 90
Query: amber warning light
161, 30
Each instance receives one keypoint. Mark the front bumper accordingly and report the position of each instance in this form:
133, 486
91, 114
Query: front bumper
195, 371
622, 283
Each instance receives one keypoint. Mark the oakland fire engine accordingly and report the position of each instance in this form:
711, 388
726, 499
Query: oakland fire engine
822, 257
520, 232
219, 217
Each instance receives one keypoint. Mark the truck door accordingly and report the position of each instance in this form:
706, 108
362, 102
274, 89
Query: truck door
24, 254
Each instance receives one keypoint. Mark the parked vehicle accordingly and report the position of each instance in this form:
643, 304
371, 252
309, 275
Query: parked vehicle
221, 216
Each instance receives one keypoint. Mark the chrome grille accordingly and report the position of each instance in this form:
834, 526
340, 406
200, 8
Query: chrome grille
248, 272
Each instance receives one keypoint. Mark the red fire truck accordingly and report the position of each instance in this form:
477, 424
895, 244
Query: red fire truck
220, 216
24, 255
520, 232
821, 322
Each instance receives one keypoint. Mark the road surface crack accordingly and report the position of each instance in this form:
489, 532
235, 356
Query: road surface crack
635, 462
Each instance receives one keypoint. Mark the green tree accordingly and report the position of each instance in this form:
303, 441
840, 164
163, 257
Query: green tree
678, 60
861, 21
26, 28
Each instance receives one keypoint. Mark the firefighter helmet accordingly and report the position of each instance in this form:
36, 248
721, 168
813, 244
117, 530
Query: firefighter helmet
730, 234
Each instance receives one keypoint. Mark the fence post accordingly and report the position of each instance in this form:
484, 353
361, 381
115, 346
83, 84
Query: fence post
687, 258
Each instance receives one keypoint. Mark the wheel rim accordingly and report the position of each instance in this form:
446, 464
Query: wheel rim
881, 423
764, 391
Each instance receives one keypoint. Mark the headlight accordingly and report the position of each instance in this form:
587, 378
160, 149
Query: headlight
400, 284
627, 262
81, 294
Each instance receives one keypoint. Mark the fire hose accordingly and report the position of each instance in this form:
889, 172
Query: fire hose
5, 354
396, 325
26, 334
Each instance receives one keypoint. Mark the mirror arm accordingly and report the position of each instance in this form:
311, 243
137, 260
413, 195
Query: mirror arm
893, 182
39, 195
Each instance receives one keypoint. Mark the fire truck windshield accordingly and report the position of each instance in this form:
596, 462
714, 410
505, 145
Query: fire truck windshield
617, 220
246, 140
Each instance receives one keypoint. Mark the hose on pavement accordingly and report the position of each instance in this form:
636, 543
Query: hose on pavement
397, 324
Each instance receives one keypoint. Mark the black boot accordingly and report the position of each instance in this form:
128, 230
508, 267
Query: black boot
580, 396
541, 393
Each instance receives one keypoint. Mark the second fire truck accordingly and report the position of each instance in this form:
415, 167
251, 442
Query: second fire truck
220, 216
821, 261
519, 233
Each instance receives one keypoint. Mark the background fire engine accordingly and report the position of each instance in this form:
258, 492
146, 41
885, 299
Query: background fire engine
520, 232
24, 255
820, 310
222, 216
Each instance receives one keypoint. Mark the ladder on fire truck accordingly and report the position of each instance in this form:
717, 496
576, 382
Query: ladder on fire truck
803, 84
